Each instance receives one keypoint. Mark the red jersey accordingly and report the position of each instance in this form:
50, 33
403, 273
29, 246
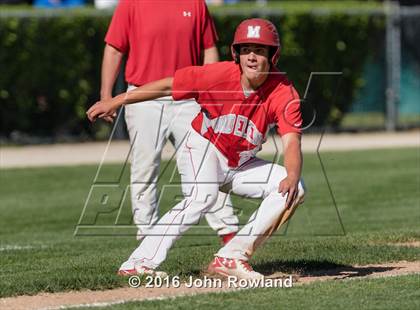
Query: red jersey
160, 36
237, 125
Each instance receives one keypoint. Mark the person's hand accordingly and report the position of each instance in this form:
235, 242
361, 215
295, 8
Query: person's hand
289, 186
104, 109
109, 119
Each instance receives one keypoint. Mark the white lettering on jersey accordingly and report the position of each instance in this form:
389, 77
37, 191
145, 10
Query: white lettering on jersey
224, 124
187, 13
253, 32
253, 136
240, 126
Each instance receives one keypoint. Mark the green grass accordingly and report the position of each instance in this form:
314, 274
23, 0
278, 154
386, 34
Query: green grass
389, 293
376, 192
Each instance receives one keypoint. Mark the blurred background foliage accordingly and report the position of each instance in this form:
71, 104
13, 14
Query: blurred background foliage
51, 70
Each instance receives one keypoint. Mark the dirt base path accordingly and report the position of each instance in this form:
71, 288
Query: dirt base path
118, 151
121, 295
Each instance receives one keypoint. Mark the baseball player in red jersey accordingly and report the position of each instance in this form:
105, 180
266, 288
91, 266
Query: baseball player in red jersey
239, 102
159, 37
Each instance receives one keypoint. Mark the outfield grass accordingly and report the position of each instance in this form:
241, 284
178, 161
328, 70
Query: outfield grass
376, 193
388, 293
376, 120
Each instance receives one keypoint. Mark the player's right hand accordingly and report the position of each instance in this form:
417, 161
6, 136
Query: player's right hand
289, 186
102, 109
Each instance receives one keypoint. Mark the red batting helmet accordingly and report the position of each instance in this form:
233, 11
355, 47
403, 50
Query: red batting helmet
258, 31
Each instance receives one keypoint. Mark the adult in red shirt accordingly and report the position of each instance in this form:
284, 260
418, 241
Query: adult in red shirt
158, 38
239, 102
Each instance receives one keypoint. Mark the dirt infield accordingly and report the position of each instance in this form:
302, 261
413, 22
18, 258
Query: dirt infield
121, 295
118, 151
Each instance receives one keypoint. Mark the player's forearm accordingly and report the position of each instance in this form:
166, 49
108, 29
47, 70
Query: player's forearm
149, 91
211, 55
293, 157
111, 64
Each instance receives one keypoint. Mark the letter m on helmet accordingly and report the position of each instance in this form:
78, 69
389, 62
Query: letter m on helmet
253, 32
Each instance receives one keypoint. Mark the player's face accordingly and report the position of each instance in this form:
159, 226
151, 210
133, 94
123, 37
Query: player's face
254, 63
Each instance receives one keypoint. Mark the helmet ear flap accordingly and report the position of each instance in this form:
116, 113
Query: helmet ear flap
274, 55
235, 54
236, 58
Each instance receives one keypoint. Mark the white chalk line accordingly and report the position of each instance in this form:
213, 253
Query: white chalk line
15, 247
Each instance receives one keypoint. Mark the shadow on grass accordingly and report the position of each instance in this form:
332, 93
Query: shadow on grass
299, 266
305, 268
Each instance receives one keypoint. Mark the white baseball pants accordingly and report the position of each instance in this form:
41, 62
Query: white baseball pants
149, 126
206, 172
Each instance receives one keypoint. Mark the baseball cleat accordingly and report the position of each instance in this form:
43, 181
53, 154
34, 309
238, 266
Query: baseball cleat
226, 238
142, 270
228, 267
127, 272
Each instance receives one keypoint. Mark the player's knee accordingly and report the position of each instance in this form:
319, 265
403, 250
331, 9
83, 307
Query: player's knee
187, 189
277, 174
301, 192
207, 195
212, 197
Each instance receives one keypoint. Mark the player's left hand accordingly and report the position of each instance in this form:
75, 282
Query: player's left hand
289, 186
102, 109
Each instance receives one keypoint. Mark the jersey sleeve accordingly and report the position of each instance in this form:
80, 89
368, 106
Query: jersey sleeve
288, 116
208, 29
118, 30
186, 83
